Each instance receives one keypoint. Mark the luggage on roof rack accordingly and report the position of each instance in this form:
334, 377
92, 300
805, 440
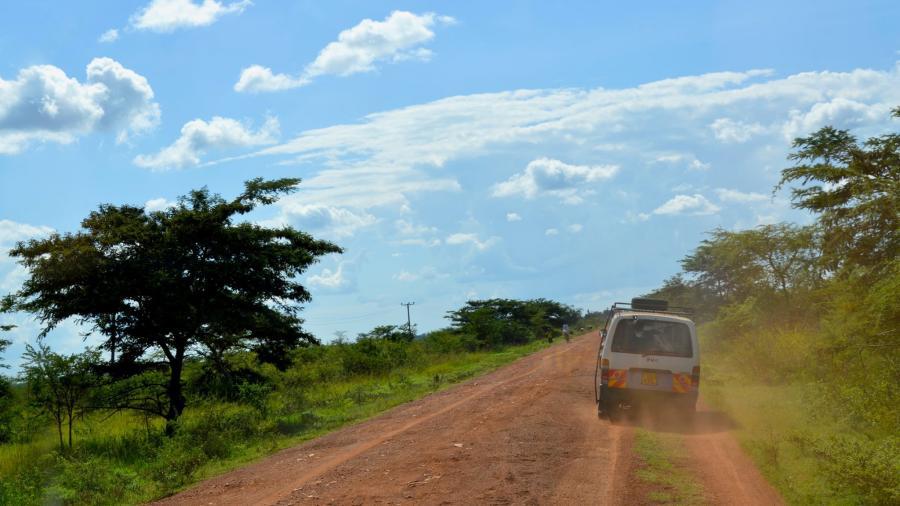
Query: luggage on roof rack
651, 306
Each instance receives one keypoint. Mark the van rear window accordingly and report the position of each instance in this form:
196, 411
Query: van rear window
652, 337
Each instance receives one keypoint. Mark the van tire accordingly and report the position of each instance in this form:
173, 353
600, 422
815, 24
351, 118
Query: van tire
604, 409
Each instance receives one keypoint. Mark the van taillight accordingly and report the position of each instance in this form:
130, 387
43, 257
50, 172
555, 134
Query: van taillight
604, 371
695, 377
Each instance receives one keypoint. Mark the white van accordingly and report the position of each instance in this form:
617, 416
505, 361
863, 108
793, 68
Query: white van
648, 354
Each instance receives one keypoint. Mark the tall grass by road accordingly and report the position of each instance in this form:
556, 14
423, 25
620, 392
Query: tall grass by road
126, 459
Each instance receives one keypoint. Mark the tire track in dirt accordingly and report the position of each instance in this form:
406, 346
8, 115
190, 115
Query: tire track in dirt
712, 455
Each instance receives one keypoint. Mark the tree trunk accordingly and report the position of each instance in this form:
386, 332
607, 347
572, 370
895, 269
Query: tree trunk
59, 423
174, 392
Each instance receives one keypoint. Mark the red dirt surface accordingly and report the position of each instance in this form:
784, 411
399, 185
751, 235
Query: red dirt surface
527, 433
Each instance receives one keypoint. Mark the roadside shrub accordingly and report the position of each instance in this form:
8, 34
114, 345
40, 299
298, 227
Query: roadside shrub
175, 465
92, 481
870, 466
134, 446
255, 395
370, 356
215, 429
26, 486
448, 341
225, 385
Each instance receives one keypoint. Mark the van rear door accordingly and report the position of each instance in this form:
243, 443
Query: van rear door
649, 353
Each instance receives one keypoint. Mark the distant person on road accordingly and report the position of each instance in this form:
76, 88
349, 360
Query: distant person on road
565, 331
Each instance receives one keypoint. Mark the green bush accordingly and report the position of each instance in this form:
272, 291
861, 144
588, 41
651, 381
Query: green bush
27, 486
93, 481
175, 465
869, 466
447, 341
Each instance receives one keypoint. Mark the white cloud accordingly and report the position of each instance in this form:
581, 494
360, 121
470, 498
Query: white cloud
698, 165
513, 217
169, 15
110, 35
198, 136
426, 273
328, 279
553, 177
690, 161
358, 49
158, 204
550, 232
843, 111
43, 104
433, 133
728, 195
461, 239
12, 232
428, 243
729, 130
335, 222
575, 228
256, 79
387, 156
406, 276
407, 228
696, 205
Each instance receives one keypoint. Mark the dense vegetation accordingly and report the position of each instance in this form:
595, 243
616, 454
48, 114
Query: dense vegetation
203, 362
801, 324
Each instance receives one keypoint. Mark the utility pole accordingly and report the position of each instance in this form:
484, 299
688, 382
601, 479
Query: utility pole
408, 320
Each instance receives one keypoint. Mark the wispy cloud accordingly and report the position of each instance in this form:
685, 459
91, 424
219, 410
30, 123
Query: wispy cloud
471, 239
108, 36
388, 156
728, 195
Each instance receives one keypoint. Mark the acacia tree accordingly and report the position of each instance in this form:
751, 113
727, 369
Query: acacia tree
855, 191
59, 385
173, 282
495, 322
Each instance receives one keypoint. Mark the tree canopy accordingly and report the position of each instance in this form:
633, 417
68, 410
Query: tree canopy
171, 282
494, 322
855, 190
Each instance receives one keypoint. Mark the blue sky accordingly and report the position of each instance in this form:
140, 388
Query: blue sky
456, 150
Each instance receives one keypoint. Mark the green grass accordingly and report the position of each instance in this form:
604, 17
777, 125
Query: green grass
661, 471
772, 421
118, 461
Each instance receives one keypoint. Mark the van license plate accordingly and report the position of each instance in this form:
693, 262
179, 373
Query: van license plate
648, 378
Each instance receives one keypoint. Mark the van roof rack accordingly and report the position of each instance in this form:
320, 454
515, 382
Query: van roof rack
651, 306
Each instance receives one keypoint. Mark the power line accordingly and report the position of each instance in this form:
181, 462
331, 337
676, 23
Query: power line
408, 319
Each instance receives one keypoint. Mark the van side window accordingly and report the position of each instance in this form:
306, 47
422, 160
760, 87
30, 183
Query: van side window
652, 337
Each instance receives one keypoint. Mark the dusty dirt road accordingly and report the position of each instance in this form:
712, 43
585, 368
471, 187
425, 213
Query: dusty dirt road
525, 434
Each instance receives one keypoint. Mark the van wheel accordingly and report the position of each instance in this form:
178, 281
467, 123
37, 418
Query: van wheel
605, 408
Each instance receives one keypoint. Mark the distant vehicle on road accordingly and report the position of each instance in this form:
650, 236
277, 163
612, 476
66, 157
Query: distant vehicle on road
648, 354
